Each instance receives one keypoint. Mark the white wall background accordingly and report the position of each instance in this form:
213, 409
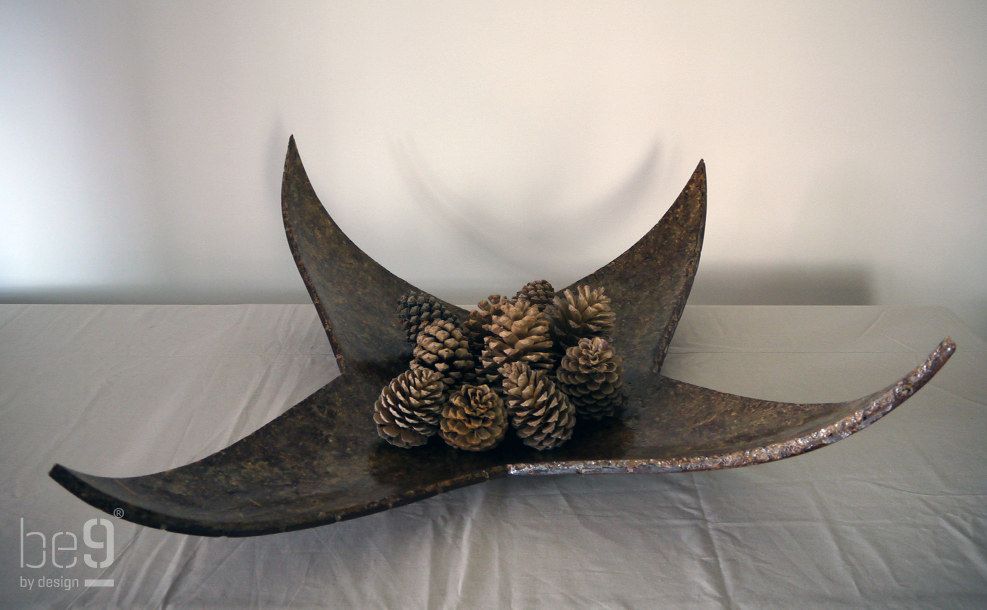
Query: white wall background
470, 147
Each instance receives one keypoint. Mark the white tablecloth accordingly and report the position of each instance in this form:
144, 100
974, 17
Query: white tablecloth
893, 517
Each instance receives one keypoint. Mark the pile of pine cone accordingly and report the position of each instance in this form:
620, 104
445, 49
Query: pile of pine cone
536, 361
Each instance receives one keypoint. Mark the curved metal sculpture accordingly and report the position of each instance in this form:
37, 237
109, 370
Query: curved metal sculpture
322, 461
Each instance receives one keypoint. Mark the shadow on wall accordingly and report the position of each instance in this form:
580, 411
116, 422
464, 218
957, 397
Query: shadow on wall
151, 295
777, 285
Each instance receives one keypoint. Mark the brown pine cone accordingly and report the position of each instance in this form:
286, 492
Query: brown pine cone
585, 314
541, 414
592, 375
443, 347
409, 408
539, 292
474, 419
418, 310
480, 317
518, 334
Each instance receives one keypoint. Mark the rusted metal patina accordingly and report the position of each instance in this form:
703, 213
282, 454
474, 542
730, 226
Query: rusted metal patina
322, 461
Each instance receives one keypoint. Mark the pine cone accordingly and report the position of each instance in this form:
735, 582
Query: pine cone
409, 407
585, 314
418, 310
541, 414
592, 374
480, 317
518, 334
443, 347
474, 419
539, 292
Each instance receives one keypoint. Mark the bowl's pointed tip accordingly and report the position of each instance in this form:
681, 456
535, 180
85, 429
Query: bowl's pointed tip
63, 476
699, 174
292, 164
933, 363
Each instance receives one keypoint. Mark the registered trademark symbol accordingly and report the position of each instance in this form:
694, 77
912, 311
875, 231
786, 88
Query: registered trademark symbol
118, 513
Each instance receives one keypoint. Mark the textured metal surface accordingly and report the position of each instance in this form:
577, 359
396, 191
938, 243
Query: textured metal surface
322, 461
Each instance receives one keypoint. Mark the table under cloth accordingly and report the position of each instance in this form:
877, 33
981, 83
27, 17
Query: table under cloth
892, 517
